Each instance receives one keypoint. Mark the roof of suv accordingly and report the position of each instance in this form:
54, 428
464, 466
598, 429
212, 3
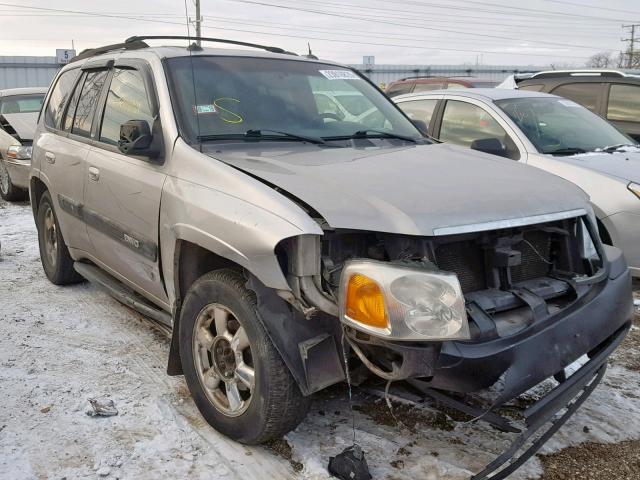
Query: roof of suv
23, 91
477, 93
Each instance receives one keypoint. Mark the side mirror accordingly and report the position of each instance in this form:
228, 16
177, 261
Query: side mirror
492, 146
136, 139
420, 125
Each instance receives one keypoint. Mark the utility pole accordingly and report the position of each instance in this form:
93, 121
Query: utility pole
198, 22
631, 52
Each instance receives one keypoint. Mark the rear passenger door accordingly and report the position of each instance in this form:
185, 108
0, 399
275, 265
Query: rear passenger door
589, 95
64, 146
122, 192
623, 108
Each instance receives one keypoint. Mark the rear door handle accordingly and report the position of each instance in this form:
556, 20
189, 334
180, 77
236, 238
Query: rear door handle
94, 174
51, 158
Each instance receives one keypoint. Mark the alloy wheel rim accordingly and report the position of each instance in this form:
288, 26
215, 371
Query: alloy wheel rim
223, 360
50, 237
4, 178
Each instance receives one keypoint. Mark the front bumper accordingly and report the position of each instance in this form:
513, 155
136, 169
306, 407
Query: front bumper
527, 358
624, 228
18, 171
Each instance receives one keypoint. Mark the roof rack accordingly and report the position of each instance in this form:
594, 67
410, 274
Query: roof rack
579, 73
137, 42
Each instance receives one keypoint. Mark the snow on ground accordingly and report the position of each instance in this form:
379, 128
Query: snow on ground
60, 346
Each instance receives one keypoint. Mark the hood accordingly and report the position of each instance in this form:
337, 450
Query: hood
24, 124
623, 164
408, 190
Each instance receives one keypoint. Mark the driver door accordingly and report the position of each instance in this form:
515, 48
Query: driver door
122, 193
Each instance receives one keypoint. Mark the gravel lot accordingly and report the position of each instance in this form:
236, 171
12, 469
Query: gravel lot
61, 346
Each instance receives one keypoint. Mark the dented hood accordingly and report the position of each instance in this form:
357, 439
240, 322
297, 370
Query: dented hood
409, 190
24, 124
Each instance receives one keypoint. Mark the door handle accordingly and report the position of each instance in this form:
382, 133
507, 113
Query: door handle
94, 174
51, 158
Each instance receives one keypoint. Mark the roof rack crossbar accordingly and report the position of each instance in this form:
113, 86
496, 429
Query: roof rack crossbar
207, 39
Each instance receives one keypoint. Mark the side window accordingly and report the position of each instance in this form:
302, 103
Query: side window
456, 86
624, 103
532, 88
419, 109
58, 98
83, 118
464, 123
127, 100
586, 94
67, 122
427, 87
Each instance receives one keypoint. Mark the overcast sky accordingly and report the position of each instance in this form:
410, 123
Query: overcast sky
497, 32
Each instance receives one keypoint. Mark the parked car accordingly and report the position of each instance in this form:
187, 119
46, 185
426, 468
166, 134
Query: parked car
204, 188
19, 109
611, 94
424, 84
551, 133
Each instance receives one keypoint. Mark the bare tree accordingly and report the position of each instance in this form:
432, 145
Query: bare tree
602, 60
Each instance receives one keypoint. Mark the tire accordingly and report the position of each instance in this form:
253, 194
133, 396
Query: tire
54, 255
8, 190
274, 405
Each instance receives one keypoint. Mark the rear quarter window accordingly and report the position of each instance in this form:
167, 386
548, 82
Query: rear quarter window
58, 98
624, 103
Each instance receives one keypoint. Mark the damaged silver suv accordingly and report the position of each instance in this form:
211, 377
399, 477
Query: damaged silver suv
215, 191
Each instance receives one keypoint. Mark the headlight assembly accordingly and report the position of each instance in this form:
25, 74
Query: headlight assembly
19, 152
402, 303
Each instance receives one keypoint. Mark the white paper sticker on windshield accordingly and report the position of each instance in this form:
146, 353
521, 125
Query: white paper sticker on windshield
340, 75
204, 109
568, 103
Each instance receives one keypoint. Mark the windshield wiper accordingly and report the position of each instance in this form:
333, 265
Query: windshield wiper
258, 134
566, 151
382, 133
613, 148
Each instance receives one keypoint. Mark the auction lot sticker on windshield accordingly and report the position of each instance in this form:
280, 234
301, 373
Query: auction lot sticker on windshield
204, 109
340, 75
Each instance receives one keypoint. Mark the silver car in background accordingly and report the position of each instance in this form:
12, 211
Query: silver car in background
19, 109
552, 133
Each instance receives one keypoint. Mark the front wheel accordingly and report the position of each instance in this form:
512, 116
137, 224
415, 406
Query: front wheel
236, 377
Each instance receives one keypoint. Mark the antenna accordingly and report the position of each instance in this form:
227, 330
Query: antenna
192, 47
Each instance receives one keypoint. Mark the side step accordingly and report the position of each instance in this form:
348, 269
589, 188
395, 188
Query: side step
124, 295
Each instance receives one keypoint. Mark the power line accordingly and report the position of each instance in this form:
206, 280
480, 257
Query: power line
457, 32
598, 7
631, 52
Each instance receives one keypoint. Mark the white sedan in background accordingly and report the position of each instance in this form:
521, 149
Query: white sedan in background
19, 110
551, 133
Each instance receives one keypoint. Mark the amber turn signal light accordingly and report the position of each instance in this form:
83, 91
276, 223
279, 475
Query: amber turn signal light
365, 302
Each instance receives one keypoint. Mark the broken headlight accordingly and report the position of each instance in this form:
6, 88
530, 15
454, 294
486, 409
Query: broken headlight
402, 302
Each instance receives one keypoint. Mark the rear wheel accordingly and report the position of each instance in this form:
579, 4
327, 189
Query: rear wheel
54, 255
236, 377
8, 190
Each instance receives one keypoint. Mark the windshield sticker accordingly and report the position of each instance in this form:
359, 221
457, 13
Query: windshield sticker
568, 103
340, 75
225, 114
204, 109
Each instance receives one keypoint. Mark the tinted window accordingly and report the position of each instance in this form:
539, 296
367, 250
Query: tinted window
87, 102
624, 103
456, 86
464, 123
419, 109
427, 87
532, 88
586, 94
127, 100
67, 123
58, 98
21, 103
399, 89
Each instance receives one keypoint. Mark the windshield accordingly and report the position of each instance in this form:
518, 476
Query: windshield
557, 125
21, 103
227, 96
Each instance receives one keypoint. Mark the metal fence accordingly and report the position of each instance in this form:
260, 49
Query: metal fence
27, 71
